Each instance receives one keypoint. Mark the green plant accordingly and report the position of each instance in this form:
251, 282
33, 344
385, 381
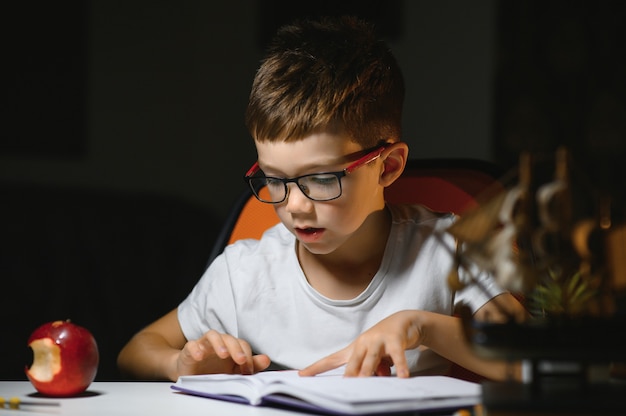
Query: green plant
562, 296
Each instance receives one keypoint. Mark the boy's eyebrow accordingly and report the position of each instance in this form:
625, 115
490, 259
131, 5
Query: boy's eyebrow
323, 166
312, 167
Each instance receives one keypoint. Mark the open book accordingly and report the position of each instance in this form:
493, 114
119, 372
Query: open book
334, 394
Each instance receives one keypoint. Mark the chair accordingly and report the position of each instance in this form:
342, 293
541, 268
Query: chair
449, 185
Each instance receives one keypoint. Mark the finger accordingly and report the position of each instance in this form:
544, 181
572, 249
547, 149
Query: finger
355, 362
370, 362
224, 346
192, 352
260, 362
214, 341
239, 351
247, 364
325, 364
398, 357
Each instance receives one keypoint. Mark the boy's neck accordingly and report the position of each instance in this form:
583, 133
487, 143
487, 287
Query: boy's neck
347, 272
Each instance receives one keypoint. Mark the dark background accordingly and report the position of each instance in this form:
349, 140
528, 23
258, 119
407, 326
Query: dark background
123, 141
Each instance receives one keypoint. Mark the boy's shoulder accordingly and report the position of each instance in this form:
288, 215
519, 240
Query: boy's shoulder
419, 215
417, 223
274, 240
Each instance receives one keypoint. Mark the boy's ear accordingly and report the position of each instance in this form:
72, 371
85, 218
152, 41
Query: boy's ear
394, 160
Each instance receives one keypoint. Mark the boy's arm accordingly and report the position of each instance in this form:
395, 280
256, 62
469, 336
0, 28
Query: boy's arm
445, 335
387, 341
153, 352
161, 351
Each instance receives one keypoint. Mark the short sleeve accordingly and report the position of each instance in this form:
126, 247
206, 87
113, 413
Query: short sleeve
480, 288
210, 305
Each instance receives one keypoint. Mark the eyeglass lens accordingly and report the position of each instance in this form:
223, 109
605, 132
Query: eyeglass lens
319, 187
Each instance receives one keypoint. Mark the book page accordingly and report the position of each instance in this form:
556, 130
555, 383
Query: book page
248, 387
376, 389
337, 393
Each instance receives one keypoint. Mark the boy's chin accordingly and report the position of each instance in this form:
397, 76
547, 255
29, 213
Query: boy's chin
317, 249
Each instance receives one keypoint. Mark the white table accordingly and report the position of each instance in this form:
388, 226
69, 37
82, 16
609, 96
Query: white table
126, 399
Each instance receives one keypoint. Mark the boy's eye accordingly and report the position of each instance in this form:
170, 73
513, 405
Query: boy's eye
322, 180
273, 182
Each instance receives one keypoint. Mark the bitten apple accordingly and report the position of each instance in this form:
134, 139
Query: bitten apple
65, 359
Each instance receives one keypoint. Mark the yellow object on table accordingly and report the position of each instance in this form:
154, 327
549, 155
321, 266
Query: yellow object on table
15, 402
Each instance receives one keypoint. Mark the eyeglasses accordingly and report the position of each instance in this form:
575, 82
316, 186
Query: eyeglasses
324, 186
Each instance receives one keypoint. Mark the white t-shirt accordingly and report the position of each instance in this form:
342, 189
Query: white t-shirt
255, 290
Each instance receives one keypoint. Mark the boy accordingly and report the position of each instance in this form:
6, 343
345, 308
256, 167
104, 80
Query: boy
343, 276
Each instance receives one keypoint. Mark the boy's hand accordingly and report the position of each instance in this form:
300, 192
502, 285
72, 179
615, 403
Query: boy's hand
375, 350
219, 353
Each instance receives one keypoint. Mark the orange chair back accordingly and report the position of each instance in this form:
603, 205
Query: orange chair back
254, 219
446, 185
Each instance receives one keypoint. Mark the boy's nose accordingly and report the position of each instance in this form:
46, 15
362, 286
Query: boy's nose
297, 201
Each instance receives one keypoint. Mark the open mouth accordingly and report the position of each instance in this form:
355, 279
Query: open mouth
308, 231
309, 234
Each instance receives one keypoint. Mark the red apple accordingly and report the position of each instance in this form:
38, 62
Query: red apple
65, 359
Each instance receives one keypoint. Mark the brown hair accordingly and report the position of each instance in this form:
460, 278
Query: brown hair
327, 74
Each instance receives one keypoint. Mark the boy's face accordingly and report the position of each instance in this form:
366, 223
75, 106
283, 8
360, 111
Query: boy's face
324, 226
